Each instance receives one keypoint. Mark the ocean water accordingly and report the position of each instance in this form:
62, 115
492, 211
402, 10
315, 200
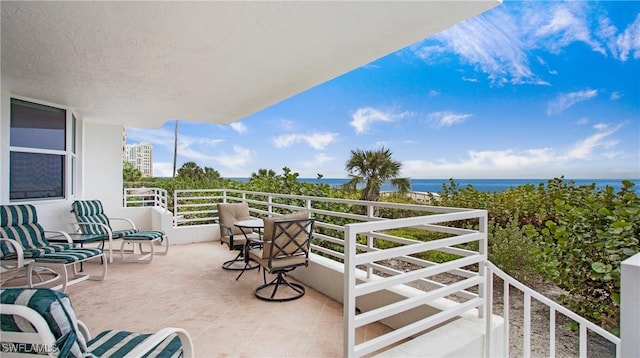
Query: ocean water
491, 185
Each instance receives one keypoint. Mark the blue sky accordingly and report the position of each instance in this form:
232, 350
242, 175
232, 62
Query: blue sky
530, 89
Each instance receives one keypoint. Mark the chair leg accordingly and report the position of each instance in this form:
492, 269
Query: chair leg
144, 257
232, 265
276, 283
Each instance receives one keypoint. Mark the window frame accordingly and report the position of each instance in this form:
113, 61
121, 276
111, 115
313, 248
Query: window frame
69, 154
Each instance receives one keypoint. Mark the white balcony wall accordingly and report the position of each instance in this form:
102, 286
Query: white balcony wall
101, 169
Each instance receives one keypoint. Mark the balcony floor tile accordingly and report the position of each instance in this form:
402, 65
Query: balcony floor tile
189, 289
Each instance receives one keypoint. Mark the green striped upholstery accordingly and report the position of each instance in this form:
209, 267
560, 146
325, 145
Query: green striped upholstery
116, 343
55, 307
145, 235
69, 256
91, 211
20, 223
122, 233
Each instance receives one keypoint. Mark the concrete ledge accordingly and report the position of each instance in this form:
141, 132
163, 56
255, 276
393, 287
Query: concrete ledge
463, 337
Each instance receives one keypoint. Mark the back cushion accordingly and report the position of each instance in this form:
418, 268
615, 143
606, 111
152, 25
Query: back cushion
91, 211
54, 306
230, 213
20, 223
269, 232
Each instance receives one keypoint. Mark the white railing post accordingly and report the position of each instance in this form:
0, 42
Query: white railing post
349, 295
483, 249
175, 208
488, 309
630, 306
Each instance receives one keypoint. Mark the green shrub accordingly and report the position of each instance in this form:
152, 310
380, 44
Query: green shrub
582, 249
513, 252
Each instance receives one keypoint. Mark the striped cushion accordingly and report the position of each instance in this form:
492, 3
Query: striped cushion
121, 233
55, 307
13, 215
116, 343
40, 251
149, 235
69, 256
20, 223
91, 211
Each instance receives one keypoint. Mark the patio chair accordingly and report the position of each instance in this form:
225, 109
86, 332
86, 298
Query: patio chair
25, 250
233, 236
92, 220
287, 240
43, 321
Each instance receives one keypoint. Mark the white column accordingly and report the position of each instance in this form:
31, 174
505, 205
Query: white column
630, 307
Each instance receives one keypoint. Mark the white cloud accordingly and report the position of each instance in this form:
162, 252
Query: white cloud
238, 159
315, 140
318, 161
239, 127
161, 137
503, 42
287, 125
582, 121
564, 24
191, 148
362, 118
628, 43
615, 96
584, 149
162, 169
490, 42
566, 100
512, 163
447, 119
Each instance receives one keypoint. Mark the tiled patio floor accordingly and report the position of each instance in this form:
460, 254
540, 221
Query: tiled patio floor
189, 289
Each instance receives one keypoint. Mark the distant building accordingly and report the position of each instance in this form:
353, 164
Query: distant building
141, 157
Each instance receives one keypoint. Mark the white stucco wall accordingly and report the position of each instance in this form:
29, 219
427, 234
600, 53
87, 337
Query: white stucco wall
101, 165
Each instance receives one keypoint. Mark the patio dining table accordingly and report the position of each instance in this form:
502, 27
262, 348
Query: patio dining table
252, 224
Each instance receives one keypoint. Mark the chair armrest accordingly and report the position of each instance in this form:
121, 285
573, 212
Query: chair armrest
151, 342
66, 235
227, 228
19, 251
84, 330
133, 226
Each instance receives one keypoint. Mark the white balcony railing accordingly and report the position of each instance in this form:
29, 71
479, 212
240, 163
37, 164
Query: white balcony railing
555, 310
350, 231
378, 258
134, 197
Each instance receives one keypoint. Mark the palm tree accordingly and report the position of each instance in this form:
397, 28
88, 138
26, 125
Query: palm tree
175, 148
374, 168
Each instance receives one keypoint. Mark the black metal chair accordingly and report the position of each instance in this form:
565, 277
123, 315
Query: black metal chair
287, 240
233, 236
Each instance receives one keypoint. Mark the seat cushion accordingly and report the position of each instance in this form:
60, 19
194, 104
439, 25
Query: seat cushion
118, 234
116, 343
148, 235
69, 256
56, 309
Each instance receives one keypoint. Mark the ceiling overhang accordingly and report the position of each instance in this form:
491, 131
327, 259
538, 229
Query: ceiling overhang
141, 63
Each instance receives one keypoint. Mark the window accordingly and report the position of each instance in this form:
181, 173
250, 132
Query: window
38, 151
